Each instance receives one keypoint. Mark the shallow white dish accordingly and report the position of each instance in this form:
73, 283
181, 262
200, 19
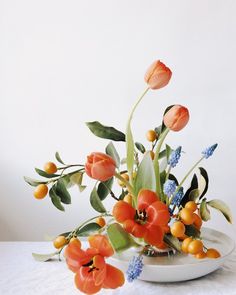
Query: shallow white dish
180, 267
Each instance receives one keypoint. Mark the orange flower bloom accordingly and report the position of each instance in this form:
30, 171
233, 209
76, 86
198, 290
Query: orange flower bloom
176, 118
92, 272
157, 75
148, 221
100, 166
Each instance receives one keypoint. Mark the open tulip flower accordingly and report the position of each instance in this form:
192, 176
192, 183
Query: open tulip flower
152, 210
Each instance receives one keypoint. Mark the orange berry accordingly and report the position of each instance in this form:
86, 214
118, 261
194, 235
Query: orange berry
101, 221
197, 221
200, 255
75, 241
151, 135
185, 244
186, 216
195, 247
191, 205
177, 229
128, 199
212, 253
50, 168
126, 177
41, 191
183, 237
59, 242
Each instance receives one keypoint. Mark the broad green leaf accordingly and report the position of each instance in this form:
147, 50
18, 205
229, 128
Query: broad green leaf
111, 151
173, 242
105, 131
194, 185
45, 174
56, 199
192, 231
223, 208
104, 188
82, 188
194, 194
44, 257
163, 178
168, 151
57, 156
76, 178
204, 211
145, 175
33, 182
62, 192
88, 229
96, 202
119, 238
203, 182
140, 147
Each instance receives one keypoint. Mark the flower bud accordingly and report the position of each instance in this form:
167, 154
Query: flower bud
176, 118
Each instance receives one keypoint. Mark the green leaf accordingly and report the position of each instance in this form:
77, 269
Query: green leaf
96, 202
104, 188
140, 147
45, 174
62, 191
123, 194
172, 177
173, 242
119, 238
194, 185
111, 151
76, 178
44, 257
65, 234
163, 178
203, 182
55, 199
194, 194
105, 132
168, 152
158, 130
223, 208
192, 231
89, 228
204, 211
163, 127
57, 156
145, 175
33, 182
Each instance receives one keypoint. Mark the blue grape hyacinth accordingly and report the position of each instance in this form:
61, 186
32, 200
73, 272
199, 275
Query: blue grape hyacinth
209, 151
174, 157
169, 187
178, 197
135, 268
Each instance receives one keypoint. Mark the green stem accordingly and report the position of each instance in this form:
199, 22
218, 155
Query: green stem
128, 185
187, 175
168, 172
156, 162
69, 166
129, 137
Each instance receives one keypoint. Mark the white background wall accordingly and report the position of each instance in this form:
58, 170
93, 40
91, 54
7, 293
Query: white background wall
63, 63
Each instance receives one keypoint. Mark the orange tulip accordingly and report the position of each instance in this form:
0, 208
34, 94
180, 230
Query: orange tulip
157, 75
100, 166
176, 118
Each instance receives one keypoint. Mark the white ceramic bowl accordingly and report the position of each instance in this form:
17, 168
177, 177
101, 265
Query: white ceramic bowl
180, 267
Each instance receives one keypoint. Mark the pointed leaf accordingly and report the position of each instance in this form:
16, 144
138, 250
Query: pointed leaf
192, 231
194, 185
194, 194
96, 202
104, 188
111, 151
163, 127
145, 175
45, 174
105, 131
62, 191
173, 242
33, 182
223, 208
119, 238
88, 229
55, 199
203, 182
57, 156
76, 178
140, 147
43, 257
204, 211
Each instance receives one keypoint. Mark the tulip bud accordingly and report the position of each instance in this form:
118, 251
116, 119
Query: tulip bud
100, 166
157, 75
176, 118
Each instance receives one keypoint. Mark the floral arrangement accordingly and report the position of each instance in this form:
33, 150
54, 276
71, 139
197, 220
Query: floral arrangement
153, 210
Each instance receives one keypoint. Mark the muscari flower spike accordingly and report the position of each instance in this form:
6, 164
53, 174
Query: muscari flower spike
174, 157
178, 197
135, 268
209, 151
169, 187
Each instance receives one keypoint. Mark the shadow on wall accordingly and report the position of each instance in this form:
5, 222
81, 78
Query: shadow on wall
6, 233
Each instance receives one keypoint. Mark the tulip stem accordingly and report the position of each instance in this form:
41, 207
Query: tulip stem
127, 184
129, 137
156, 163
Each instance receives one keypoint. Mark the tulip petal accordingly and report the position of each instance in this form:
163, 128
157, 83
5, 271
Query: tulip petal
99, 273
103, 170
123, 211
134, 228
158, 214
114, 277
154, 235
102, 244
74, 253
145, 198
84, 281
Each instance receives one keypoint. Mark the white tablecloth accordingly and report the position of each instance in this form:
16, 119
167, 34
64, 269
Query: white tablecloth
20, 274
